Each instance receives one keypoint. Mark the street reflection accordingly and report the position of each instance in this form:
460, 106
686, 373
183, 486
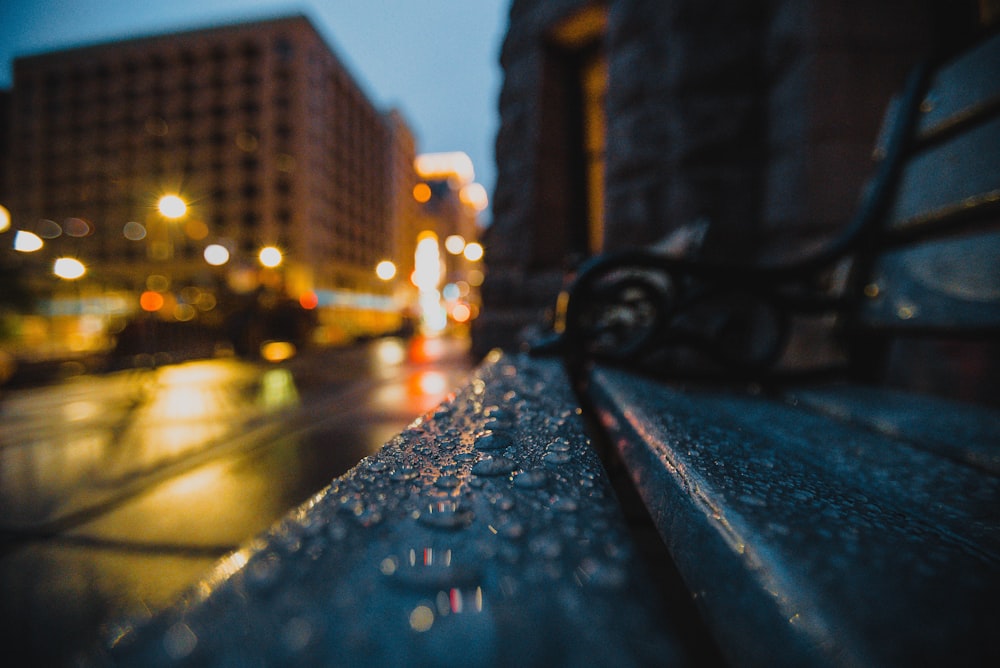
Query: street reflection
141, 480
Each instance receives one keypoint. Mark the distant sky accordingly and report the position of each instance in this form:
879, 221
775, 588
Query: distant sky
436, 60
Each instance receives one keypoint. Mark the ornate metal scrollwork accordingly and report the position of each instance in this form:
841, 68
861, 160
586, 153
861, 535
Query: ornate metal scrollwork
639, 309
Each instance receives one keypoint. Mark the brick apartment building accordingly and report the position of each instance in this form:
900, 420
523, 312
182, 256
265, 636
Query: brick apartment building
258, 127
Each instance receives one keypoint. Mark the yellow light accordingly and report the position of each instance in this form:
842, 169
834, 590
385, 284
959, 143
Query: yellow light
277, 351
69, 268
445, 165
270, 256
4, 218
171, 206
461, 313
385, 270
455, 244
473, 252
27, 242
475, 196
216, 255
427, 262
422, 193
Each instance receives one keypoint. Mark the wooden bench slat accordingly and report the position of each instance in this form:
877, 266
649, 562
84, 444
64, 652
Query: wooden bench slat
485, 534
961, 89
949, 180
963, 432
951, 284
808, 541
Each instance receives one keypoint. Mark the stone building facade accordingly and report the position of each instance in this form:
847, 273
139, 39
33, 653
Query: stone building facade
732, 128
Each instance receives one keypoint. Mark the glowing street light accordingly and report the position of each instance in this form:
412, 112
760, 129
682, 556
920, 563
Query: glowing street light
385, 270
4, 218
216, 255
270, 257
473, 252
69, 268
171, 206
27, 242
455, 244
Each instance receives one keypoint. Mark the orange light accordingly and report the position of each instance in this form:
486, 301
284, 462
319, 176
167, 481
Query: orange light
461, 313
422, 193
308, 300
151, 301
277, 351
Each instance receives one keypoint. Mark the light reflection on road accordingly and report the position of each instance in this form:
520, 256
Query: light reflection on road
148, 477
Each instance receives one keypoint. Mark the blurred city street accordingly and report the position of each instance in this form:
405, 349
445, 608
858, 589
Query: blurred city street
118, 491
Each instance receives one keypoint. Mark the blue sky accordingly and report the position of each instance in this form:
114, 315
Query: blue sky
436, 60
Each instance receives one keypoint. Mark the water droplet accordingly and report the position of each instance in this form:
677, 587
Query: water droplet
533, 479
262, 572
546, 546
296, 634
404, 474
446, 514
559, 445
421, 618
564, 505
179, 641
512, 529
494, 441
368, 517
447, 482
466, 457
600, 574
556, 458
377, 466
493, 466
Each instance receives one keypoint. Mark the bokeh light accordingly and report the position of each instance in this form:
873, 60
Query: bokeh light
216, 255
27, 242
69, 268
171, 206
473, 252
422, 193
455, 244
270, 257
386, 270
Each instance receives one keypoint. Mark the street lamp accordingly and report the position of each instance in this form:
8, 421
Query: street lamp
270, 257
171, 206
385, 270
69, 268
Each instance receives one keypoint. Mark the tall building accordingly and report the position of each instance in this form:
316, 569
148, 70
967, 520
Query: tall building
258, 128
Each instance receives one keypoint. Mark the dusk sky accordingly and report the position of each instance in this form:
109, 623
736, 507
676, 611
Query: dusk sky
436, 60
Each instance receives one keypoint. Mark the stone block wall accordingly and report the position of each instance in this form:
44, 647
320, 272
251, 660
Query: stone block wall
756, 117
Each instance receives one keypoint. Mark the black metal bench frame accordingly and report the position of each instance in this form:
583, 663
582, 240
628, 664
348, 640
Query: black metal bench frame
693, 318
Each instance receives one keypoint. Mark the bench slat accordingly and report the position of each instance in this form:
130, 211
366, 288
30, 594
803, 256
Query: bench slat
949, 180
485, 534
951, 284
963, 432
961, 89
808, 541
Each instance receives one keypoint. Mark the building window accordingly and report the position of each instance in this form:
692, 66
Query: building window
571, 157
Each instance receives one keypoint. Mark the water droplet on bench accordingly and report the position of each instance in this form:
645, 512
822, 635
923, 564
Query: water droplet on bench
494, 441
533, 479
493, 466
445, 514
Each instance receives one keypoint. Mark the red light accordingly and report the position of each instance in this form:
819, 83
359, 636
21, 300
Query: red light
151, 301
308, 300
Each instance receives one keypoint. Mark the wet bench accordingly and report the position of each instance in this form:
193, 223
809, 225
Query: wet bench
816, 515
803, 524
485, 534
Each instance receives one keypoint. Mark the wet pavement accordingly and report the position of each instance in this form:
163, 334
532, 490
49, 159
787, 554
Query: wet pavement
119, 491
